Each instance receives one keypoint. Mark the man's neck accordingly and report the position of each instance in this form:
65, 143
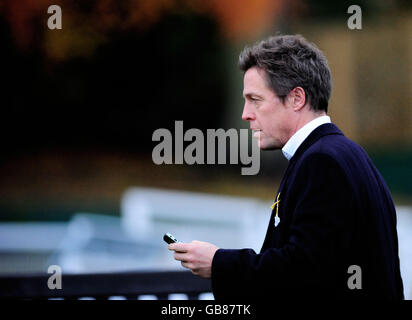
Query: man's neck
304, 119
302, 133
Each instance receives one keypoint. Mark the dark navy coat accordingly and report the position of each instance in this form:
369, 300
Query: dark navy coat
335, 212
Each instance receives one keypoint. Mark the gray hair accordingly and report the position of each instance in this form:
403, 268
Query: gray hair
290, 61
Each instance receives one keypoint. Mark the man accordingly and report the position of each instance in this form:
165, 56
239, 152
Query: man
332, 233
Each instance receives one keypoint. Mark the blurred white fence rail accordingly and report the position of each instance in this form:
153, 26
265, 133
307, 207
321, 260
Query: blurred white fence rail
92, 243
229, 222
404, 227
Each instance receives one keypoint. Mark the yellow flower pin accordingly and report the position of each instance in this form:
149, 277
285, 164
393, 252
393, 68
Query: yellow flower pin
276, 204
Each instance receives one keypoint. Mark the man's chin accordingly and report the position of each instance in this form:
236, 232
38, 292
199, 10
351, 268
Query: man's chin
266, 147
265, 144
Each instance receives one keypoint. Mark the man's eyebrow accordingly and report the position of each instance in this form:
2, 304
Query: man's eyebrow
250, 94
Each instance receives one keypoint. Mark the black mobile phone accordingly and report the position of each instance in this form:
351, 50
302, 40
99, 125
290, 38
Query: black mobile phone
169, 238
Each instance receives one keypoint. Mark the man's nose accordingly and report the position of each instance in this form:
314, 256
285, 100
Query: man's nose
247, 115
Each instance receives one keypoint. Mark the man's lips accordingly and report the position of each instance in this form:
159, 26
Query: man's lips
256, 132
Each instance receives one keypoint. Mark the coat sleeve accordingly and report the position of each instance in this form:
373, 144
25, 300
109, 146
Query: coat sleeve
319, 233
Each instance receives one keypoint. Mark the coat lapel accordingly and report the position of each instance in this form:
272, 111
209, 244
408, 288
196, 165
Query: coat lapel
315, 135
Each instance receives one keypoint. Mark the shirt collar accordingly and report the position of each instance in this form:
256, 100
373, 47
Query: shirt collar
296, 140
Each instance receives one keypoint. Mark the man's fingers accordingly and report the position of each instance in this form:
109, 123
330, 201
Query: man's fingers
179, 247
187, 265
181, 256
191, 267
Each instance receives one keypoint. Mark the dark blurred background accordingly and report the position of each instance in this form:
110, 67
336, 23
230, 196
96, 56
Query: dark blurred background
79, 105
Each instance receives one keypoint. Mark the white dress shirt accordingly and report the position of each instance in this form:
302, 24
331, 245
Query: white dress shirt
297, 139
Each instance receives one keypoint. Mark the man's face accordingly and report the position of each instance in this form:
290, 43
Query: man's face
270, 119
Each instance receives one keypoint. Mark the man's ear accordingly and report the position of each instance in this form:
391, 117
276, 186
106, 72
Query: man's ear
297, 98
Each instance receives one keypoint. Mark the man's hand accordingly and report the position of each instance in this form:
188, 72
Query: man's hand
196, 256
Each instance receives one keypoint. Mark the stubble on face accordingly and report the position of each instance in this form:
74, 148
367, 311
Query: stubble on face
267, 114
